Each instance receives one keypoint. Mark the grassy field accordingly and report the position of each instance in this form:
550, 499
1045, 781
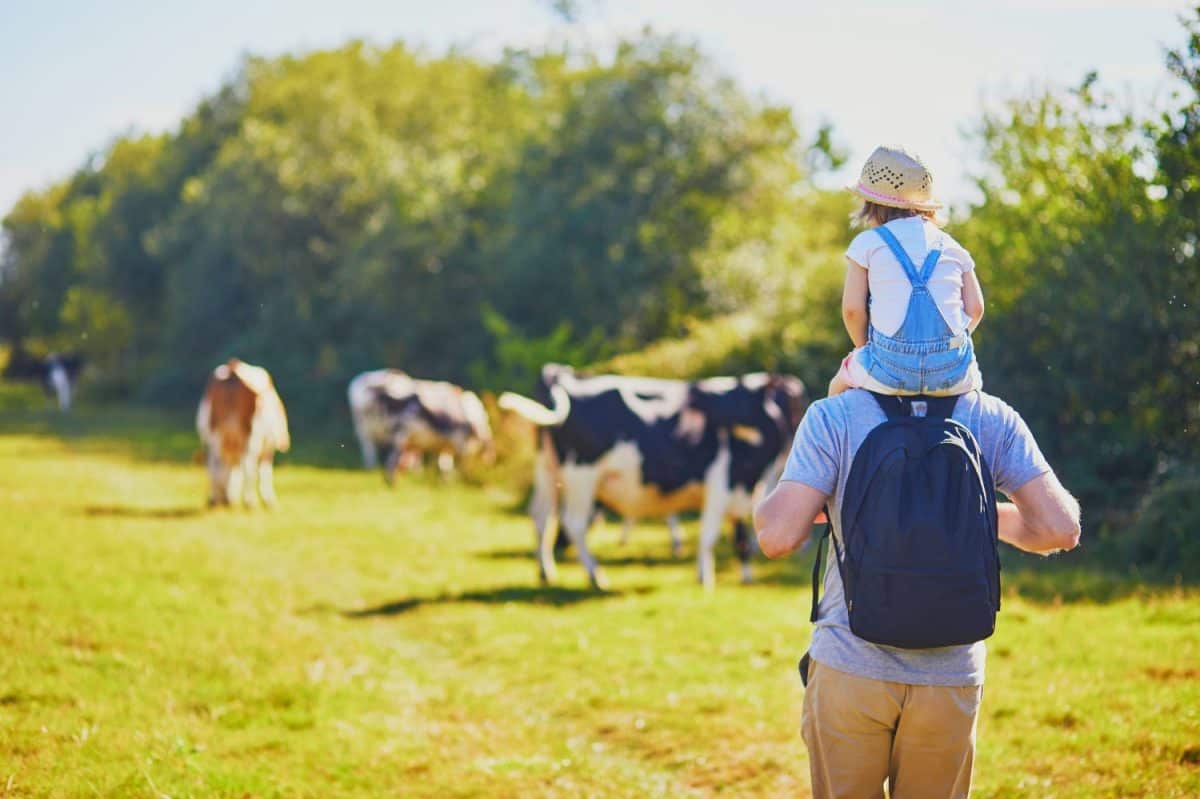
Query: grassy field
361, 641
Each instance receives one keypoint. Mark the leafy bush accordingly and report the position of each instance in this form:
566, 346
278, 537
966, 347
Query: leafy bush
1163, 536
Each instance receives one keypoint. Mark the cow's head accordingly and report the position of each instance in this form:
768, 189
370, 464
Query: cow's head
787, 393
734, 404
481, 441
757, 409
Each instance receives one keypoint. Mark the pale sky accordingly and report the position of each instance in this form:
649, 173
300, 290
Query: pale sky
73, 75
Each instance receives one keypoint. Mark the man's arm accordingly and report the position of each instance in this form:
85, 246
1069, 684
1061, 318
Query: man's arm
784, 520
1042, 518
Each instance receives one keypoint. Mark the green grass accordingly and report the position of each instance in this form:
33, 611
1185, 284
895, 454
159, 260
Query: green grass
361, 641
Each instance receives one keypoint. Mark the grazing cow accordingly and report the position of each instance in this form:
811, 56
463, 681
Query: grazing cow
645, 389
242, 424
57, 373
653, 448
405, 418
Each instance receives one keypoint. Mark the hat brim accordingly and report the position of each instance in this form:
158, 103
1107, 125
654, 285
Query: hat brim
893, 202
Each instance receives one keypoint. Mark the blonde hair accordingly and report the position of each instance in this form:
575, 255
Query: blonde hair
873, 215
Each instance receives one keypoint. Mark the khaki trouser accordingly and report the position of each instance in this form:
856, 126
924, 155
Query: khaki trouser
859, 732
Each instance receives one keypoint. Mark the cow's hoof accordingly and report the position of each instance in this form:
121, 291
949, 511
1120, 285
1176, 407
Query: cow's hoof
600, 581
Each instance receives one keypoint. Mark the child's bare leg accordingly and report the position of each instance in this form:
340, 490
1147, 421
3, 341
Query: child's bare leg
837, 385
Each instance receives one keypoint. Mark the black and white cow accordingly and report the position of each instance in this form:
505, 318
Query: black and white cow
651, 448
56, 372
403, 418
649, 391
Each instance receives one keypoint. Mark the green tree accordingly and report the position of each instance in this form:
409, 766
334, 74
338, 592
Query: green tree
1079, 280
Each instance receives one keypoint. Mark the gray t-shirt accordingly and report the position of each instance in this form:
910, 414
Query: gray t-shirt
831, 432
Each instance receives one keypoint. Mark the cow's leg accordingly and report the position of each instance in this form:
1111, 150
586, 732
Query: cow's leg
561, 541
445, 463
395, 459
234, 479
676, 531
62, 387
266, 481
217, 480
370, 453
743, 545
249, 482
541, 508
626, 527
579, 502
716, 502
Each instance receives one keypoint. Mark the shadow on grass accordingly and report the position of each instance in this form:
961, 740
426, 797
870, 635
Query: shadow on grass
604, 557
132, 512
551, 596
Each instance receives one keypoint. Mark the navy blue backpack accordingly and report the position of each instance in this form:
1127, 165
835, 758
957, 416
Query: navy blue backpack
919, 560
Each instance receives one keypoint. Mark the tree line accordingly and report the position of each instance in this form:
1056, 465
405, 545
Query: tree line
469, 219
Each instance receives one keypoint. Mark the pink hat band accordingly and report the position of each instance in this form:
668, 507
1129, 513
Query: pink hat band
874, 195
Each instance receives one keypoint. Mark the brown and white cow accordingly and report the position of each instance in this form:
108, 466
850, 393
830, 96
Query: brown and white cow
651, 448
404, 418
242, 424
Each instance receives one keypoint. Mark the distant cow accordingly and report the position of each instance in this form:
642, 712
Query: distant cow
649, 391
401, 418
653, 448
56, 372
242, 424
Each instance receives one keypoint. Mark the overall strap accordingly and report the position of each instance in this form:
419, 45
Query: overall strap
930, 263
910, 270
905, 262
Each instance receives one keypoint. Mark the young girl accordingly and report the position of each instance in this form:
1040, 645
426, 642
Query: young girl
911, 298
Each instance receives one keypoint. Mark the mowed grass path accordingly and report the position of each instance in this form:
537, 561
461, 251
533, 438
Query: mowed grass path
361, 641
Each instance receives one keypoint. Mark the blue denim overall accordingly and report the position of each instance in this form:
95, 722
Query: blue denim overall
924, 355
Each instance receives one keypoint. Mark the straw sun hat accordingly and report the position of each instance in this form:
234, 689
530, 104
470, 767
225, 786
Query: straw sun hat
896, 179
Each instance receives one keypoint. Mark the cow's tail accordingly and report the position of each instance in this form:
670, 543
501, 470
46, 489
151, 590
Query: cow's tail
535, 411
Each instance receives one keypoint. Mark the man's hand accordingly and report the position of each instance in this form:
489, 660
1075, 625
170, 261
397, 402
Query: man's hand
784, 520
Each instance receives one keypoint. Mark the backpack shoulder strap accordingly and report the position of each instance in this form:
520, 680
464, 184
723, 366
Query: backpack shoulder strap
896, 407
891, 405
817, 561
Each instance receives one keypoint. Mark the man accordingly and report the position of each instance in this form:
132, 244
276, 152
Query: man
872, 712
